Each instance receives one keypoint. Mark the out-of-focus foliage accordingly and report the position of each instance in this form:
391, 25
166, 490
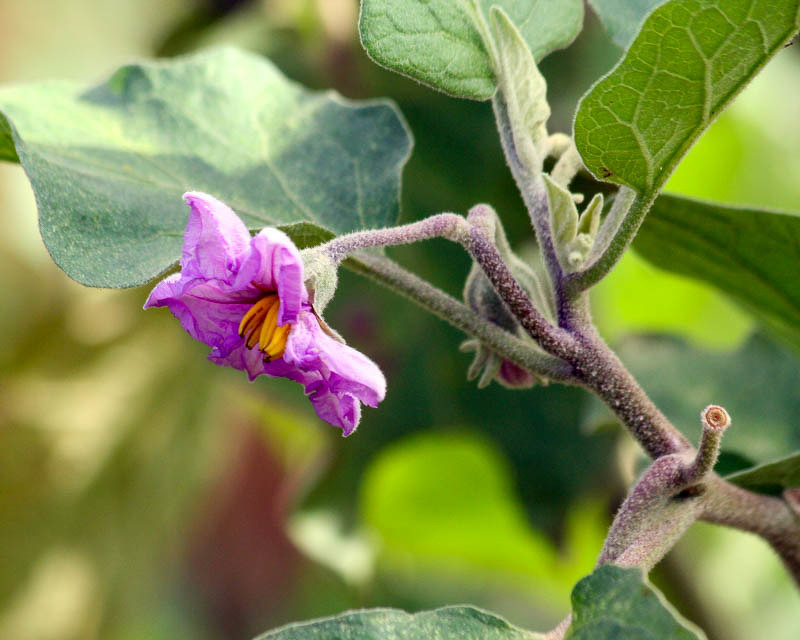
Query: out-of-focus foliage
433, 501
622, 18
145, 493
772, 476
751, 255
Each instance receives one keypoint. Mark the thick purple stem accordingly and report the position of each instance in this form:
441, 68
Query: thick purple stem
554, 340
599, 369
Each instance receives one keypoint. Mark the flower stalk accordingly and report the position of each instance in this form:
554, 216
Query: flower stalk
391, 275
443, 225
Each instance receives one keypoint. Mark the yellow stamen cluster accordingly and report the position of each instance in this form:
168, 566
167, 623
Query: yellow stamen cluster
260, 327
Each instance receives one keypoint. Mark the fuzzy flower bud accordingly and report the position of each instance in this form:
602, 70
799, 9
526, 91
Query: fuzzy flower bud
487, 365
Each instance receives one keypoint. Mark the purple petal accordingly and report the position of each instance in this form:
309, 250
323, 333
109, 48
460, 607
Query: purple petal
215, 239
204, 311
274, 264
252, 361
344, 373
339, 410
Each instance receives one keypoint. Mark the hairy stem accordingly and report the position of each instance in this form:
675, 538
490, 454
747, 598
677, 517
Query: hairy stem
771, 518
601, 371
666, 500
579, 355
443, 225
534, 194
554, 340
443, 305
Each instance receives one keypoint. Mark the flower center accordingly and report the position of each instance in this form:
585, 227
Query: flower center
260, 327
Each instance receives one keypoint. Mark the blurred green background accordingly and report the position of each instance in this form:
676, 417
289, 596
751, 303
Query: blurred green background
145, 493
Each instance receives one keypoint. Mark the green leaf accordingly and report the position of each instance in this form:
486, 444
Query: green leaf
612, 603
413, 500
465, 623
108, 165
524, 90
7, 151
778, 474
617, 604
689, 60
753, 256
440, 43
622, 18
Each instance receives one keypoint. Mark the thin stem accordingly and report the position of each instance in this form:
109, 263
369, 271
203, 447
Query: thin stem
714, 420
771, 518
472, 234
392, 275
554, 340
534, 194
443, 225
622, 237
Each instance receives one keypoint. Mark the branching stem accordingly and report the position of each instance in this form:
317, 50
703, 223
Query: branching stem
632, 213
443, 305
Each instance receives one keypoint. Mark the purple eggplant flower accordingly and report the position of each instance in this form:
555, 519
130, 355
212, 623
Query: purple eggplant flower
245, 297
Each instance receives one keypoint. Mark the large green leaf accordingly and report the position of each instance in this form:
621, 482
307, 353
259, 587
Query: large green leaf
465, 623
622, 18
751, 255
689, 60
612, 603
108, 165
770, 476
616, 604
440, 43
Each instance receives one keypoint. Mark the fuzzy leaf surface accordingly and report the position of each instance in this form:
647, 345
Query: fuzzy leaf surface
108, 164
524, 90
440, 42
462, 622
689, 60
616, 604
751, 255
